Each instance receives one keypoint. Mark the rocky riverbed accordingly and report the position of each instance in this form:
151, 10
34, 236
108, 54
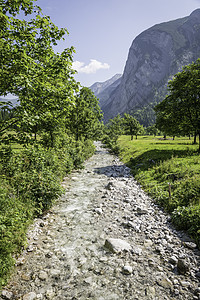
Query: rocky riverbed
105, 239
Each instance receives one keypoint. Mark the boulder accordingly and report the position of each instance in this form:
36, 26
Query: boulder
117, 245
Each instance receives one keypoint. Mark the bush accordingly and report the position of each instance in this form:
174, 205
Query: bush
81, 151
111, 144
188, 191
30, 182
188, 218
14, 219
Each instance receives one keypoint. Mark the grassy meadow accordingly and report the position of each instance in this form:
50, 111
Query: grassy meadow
169, 171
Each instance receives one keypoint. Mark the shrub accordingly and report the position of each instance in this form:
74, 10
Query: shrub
188, 218
14, 219
30, 182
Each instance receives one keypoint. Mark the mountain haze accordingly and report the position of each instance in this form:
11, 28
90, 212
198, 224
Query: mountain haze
154, 57
13, 101
103, 90
98, 87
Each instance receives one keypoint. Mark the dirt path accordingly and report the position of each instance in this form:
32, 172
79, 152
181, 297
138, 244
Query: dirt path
104, 240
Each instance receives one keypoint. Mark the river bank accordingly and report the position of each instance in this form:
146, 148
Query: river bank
105, 239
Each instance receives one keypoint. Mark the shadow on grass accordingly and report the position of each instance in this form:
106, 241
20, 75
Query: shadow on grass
151, 158
177, 143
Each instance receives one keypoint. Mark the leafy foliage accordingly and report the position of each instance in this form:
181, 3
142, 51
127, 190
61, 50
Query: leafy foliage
48, 133
85, 116
152, 130
187, 218
42, 79
30, 183
132, 126
179, 112
121, 125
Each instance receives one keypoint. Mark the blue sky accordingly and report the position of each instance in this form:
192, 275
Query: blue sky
102, 30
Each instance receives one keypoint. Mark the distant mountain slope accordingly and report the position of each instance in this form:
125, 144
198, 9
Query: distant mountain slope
154, 57
13, 101
105, 94
98, 87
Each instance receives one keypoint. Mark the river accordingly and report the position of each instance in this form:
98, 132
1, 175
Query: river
105, 239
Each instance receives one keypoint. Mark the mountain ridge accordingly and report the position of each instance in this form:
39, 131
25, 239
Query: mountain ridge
154, 57
99, 87
13, 101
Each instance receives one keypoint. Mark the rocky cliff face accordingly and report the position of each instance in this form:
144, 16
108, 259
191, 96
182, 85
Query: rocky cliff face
154, 57
106, 93
98, 87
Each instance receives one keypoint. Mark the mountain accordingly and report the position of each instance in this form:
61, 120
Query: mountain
13, 100
99, 87
105, 94
154, 57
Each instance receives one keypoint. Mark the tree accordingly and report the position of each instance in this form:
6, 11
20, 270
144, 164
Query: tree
166, 119
113, 129
131, 126
30, 69
46, 104
85, 116
13, 6
152, 130
23, 44
179, 112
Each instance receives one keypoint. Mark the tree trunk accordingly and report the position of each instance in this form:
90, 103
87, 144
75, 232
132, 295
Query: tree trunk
52, 139
195, 138
199, 140
131, 137
76, 135
35, 132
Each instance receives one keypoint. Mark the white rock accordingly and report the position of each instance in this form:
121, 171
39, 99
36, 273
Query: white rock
117, 245
127, 270
142, 210
185, 283
164, 282
137, 251
190, 245
30, 296
55, 273
173, 260
20, 261
50, 294
98, 210
43, 275
6, 294
89, 280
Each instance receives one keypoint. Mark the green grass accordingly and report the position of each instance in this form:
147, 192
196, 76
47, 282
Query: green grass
169, 171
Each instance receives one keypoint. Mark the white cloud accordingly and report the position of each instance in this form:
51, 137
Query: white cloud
92, 67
